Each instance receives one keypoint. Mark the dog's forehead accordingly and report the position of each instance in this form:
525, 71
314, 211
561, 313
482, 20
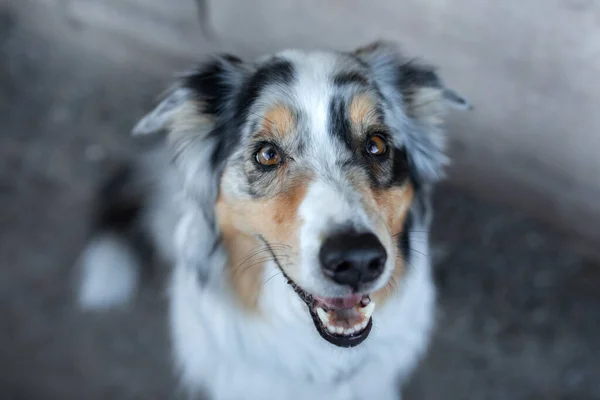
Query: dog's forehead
318, 83
318, 76
314, 65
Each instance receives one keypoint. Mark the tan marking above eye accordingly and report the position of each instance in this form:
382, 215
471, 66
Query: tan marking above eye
279, 121
363, 110
268, 155
376, 145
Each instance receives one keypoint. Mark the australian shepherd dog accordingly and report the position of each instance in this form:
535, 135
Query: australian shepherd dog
291, 196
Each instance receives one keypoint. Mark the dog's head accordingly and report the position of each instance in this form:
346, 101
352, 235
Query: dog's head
311, 160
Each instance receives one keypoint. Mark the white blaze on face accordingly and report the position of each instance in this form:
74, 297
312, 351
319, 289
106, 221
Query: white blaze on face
330, 203
326, 208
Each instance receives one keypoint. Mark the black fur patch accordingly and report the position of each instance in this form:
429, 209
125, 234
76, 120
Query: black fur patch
210, 83
416, 75
275, 71
404, 239
339, 123
118, 205
350, 78
227, 136
388, 170
400, 167
119, 210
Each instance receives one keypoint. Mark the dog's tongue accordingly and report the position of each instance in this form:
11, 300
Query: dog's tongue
339, 302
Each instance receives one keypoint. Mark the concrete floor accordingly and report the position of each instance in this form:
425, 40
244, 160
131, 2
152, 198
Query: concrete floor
518, 309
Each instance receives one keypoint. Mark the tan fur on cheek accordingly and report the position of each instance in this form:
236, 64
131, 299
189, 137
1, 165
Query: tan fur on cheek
284, 215
276, 220
245, 274
394, 205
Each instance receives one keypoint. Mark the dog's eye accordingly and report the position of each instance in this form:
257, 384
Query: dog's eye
268, 156
376, 145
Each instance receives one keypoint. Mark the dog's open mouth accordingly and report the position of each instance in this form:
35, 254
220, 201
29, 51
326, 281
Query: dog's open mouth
344, 322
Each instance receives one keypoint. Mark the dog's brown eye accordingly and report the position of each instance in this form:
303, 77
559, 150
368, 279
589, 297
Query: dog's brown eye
268, 156
376, 145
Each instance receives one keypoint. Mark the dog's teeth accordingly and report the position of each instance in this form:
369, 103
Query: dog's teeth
328, 323
365, 301
323, 316
368, 310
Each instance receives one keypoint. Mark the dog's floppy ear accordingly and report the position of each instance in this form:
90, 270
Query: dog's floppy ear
158, 120
424, 95
209, 88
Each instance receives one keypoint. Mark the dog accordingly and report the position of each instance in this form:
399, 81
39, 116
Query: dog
291, 195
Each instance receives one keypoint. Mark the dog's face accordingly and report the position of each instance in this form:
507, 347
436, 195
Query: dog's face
317, 160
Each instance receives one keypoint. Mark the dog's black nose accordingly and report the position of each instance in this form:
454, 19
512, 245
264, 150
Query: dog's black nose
352, 258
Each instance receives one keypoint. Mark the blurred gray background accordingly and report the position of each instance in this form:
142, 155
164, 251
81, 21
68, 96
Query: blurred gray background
517, 223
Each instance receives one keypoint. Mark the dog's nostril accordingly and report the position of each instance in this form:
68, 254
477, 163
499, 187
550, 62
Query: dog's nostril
343, 266
375, 264
353, 258
339, 268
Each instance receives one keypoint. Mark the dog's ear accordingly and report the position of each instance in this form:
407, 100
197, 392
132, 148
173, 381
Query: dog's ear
424, 95
159, 119
208, 88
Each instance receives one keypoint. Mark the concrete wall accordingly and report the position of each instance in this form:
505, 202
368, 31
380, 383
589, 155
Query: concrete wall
531, 68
